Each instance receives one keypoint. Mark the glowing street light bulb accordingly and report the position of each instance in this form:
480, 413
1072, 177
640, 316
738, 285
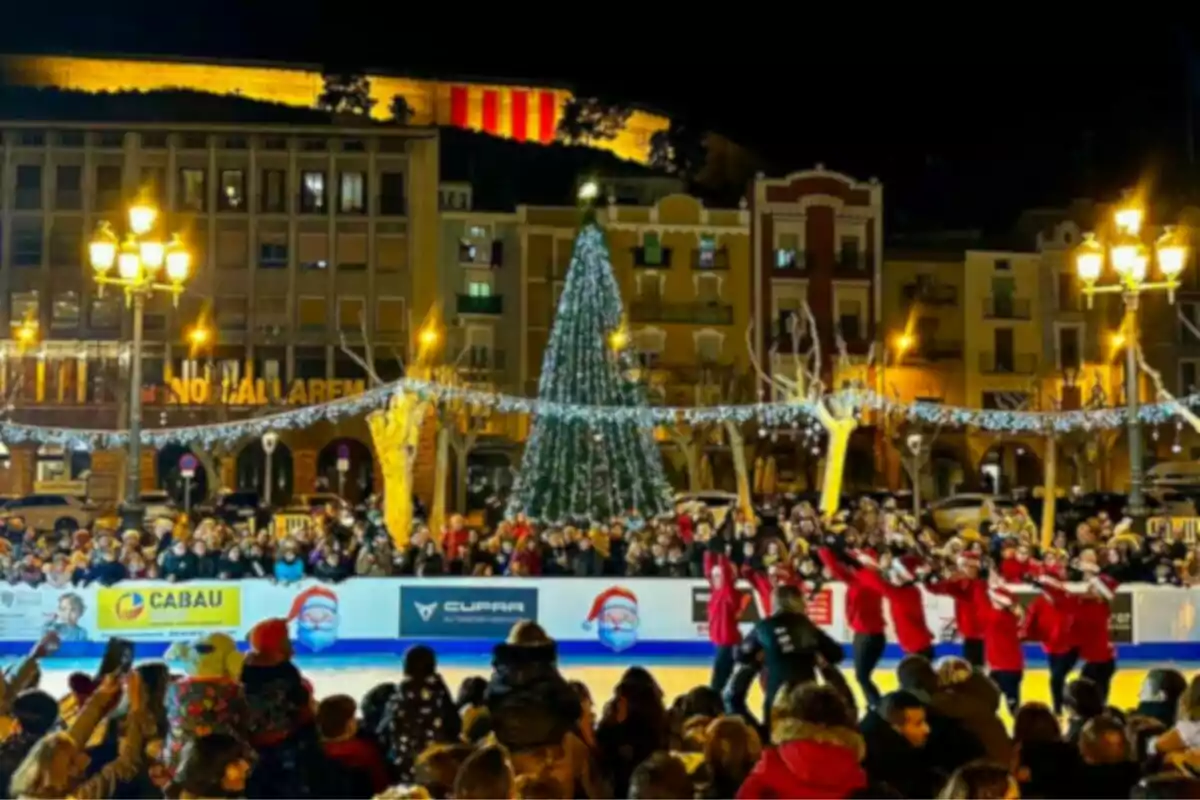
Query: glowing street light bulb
428, 336
1089, 260
141, 218
1129, 220
129, 264
1172, 254
179, 261
198, 335
589, 190
153, 254
903, 342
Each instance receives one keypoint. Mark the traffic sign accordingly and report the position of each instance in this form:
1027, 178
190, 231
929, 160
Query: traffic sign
343, 458
187, 465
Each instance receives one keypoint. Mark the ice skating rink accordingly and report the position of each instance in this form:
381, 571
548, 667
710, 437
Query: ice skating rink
356, 675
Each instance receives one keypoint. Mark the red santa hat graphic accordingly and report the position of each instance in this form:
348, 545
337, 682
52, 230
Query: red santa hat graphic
615, 597
312, 598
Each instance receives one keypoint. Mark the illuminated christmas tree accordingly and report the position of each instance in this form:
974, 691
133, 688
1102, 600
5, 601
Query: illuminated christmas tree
578, 468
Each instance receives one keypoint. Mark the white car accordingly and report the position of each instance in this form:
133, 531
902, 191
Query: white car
50, 512
158, 505
719, 503
965, 510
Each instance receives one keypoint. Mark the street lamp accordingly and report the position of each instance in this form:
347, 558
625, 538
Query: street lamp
144, 265
1131, 259
270, 440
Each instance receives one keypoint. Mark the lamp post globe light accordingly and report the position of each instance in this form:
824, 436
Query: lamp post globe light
145, 264
1131, 258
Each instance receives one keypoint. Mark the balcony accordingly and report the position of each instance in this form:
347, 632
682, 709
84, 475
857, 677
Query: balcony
930, 294
935, 350
682, 313
1007, 363
488, 304
787, 260
710, 260
652, 260
851, 261
1001, 307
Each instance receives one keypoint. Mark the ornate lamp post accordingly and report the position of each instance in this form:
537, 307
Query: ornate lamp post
141, 259
1130, 258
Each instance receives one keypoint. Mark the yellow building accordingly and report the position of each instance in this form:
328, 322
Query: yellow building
526, 113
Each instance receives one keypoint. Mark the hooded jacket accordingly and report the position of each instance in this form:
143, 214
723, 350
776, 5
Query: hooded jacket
810, 761
530, 703
724, 601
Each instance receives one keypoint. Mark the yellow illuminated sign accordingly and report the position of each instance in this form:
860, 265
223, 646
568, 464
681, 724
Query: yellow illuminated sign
156, 609
262, 392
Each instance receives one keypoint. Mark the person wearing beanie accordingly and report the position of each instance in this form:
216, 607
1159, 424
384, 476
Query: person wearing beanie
421, 713
1001, 623
969, 592
1049, 620
864, 614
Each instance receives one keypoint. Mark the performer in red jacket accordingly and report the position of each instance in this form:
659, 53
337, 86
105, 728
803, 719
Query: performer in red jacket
1048, 620
724, 608
864, 614
905, 602
1001, 622
1092, 618
970, 600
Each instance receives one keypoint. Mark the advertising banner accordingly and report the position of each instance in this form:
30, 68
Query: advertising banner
469, 612
168, 609
820, 606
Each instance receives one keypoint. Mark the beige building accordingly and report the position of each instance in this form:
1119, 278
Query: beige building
303, 237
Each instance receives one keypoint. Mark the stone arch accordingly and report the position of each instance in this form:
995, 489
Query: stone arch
250, 471
171, 480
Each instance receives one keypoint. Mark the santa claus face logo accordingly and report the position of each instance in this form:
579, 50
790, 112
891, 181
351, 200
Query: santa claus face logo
316, 614
616, 617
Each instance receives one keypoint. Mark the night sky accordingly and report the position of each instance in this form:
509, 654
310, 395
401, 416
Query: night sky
966, 124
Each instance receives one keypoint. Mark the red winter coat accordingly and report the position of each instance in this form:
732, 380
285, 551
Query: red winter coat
968, 594
907, 606
455, 543
724, 601
864, 607
812, 762
1092, 617
1014, 571
1050, 622
1001, 637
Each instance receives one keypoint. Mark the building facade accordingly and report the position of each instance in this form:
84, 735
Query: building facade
306, 243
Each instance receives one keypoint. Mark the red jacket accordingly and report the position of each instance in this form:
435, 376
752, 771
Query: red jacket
724, 601
864, 607
1050, 622
1001, 637
360, 755
968, 594
1092, 617
807, 768
454, 543
907, 607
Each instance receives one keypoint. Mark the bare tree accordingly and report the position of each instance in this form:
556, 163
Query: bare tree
835, 411
1160, 387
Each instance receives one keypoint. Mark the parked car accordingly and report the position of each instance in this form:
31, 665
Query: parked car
965, 510
50, 512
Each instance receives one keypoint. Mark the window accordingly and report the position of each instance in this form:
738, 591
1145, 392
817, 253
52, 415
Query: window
274, 191
231, 248
479, 289
153, 184
1068, 292
354, 146
850, 320
309, 363
111, 139
391, 253
353, 193
352, 252
194, 141
787, 251
270, 312
1189, 376
70, 139
706, 256
108, 187
313, 145
231, 313
312, 314
66, 243
468, 251
27, 243
1069, 356
850, 254
31, 139
350, 313
389, 314
312, 192
65, 312
313, 251
1003, 265
274, 143
708, 347
272, 251
154, 140
1191, 312
391, 193
105, 313
235, 143
191, 190
652, 253
68, 187
29, 187
233, 190
24, 306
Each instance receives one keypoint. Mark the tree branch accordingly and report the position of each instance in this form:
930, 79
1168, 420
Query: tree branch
367, 366
1165, 395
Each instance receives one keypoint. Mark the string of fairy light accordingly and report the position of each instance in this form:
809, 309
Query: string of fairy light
770, 416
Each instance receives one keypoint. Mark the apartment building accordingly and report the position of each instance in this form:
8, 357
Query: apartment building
305, 240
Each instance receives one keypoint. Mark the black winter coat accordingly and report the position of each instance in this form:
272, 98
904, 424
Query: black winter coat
530, 703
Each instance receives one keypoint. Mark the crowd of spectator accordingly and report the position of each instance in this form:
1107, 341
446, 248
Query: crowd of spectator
335, 544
